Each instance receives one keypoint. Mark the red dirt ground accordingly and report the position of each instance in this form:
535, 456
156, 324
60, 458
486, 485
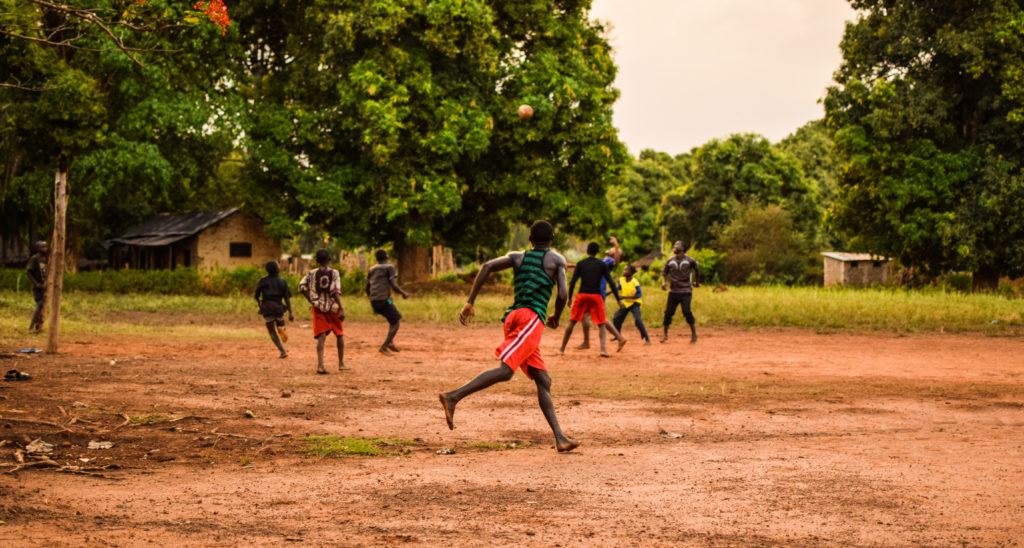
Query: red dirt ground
750, 437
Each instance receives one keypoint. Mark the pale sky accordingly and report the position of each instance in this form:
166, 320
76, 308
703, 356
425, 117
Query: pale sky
693, 70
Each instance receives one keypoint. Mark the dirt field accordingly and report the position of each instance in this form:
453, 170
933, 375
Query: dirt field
750, 437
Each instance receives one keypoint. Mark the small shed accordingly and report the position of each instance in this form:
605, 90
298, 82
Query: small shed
644, 263
858, 269
204, 239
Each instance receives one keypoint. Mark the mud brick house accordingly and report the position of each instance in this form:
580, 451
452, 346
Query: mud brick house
859, 269
203, 239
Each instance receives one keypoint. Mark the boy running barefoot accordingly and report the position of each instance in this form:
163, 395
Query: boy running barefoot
274, 299
380, 280
680, 275
590, 272
536, 273
322, 288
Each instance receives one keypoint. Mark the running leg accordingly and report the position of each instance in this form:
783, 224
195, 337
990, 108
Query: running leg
389, 343
272, 329
638, 318
488, 378
604, 340
568, 333
547, 406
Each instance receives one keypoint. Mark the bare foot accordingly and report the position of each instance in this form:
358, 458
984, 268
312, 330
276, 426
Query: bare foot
321, 371
392, 347
622, 342
566, 445
664, 339
693, 339
605, 354
383, 350
449, 410
583, 346
343, 367
283, 355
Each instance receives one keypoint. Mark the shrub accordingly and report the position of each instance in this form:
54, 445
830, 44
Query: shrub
762, 246
180, 281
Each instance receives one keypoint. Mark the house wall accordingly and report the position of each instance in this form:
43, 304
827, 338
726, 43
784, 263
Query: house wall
213, 244
865, 273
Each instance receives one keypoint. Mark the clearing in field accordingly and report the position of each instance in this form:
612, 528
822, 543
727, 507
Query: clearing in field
753, 436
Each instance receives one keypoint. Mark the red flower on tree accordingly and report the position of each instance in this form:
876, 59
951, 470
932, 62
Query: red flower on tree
215, 11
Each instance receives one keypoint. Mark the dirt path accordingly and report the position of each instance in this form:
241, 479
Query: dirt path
750, 437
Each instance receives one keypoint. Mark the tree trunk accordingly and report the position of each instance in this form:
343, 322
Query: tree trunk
413, 261
986, 278
55, 279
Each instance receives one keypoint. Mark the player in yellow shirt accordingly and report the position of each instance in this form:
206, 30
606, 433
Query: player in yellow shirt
632, 302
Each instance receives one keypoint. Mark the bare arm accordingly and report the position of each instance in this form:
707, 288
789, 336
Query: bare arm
493, 265
561, 299
696, 275
611, 285
572, 284
394, 285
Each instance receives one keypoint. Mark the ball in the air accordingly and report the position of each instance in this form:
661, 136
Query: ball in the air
525, 112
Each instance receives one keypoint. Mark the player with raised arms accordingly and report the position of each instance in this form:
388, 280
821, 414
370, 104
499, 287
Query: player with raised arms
537, 271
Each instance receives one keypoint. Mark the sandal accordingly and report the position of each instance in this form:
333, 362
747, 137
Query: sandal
15, 375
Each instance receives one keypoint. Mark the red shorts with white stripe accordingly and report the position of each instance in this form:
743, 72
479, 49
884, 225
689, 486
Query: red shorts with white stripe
521, 349
587, 303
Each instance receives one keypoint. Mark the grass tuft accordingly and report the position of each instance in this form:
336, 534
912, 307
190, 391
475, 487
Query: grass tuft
337, 447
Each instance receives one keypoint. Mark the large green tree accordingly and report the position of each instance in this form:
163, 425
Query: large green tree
928, 110
635, 199
395, 120
743, 169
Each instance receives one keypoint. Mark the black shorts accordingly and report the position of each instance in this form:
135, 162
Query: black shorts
387, 309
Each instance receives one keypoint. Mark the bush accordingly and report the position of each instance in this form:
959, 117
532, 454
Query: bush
180, 281
762, 246
710, 263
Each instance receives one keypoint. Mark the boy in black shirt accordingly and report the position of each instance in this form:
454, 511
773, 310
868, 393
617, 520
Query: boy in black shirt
680, 275
274, 299
590, 272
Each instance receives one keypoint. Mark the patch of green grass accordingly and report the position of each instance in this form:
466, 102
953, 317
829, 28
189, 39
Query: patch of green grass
335, 446
499, 445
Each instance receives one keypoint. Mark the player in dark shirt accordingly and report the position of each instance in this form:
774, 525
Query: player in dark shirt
36, 271
590, 272
680, 275
274, 299
380, 280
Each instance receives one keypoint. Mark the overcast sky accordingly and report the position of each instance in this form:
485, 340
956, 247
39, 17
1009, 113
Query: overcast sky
693, 70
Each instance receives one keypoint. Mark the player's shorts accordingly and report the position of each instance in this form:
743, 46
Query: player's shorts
387, 309
324, 323
521, 348
588, 303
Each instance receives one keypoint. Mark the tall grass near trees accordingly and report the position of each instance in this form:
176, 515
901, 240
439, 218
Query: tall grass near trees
819, 309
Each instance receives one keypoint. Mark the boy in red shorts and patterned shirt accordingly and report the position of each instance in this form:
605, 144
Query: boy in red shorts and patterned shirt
322, 288
590, 272
536, 272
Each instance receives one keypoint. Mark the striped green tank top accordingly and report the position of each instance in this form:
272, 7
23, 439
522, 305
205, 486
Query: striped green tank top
532, 285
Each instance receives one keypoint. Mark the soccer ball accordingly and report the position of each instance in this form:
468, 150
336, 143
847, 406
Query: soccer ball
525, 112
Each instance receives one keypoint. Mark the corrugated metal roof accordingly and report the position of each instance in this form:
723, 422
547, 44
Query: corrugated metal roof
847, 257
165, 229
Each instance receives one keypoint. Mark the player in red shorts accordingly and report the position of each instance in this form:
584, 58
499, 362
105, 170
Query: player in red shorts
322, 288
589, 272
536, 272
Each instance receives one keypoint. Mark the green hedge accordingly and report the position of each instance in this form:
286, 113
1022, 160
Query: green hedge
180, 281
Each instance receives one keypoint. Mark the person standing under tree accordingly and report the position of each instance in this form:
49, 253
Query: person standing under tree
274, 299
380, 280
536, 272
632, 300
680, 275
322, 288
36, 272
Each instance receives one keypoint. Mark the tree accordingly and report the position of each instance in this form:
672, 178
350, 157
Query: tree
395, 120
635, 198
94, 78
744, 168
815, 150
927, 111
761, 245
